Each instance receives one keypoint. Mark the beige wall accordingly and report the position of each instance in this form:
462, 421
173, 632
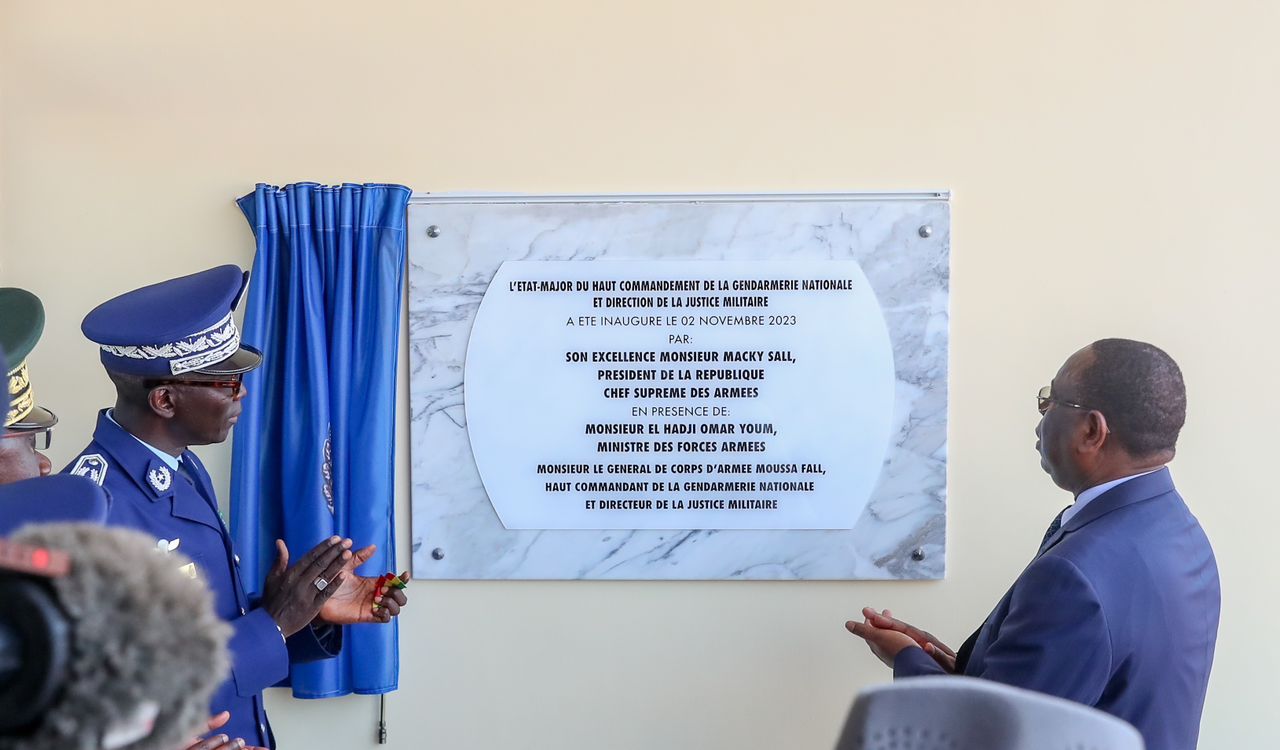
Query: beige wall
1113, 166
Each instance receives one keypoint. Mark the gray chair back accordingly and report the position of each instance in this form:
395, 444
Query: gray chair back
963, 713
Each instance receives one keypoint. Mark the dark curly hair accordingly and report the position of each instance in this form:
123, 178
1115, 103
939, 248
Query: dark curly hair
1139, 389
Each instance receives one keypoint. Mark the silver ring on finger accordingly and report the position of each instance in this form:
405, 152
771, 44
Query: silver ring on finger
320, 583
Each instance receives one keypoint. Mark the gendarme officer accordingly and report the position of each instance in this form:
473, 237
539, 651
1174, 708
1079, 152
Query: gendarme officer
45, 499
173, 352
28, 426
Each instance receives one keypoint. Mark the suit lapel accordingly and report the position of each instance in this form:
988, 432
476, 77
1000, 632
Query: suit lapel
188, 505
199, 477
1137, 490
1133, 491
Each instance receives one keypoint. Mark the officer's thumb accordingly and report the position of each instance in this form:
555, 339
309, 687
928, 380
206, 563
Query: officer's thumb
362, 556
282, 558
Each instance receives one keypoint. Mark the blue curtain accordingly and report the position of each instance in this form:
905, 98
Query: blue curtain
314, 449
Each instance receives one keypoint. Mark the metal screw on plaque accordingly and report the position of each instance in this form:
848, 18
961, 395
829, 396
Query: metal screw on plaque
433, 231
437, 554
925, 231
917, 554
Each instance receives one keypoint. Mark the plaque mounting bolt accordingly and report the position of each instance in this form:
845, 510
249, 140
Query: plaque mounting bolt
924, 231
917, 554
433, 231
437, 553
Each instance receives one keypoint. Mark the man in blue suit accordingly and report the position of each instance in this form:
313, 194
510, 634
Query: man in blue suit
1119, 608
173, 352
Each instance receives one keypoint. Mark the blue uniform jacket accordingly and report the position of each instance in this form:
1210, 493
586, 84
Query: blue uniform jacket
182, 515
1119, 611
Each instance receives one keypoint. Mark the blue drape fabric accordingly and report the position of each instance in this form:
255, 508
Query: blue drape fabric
314, 449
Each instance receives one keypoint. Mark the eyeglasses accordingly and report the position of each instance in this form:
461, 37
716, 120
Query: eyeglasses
40, 439
1045, 397
234, 385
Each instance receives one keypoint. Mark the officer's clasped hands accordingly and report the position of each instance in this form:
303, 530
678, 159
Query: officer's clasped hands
293, 595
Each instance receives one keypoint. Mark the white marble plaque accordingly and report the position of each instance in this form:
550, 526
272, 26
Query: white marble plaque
499, 387
679, 394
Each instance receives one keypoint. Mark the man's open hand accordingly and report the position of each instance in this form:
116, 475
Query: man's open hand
354, 601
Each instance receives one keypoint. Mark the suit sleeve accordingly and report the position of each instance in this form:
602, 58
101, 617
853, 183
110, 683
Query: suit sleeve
260, 654
312, 643
914, 662
259, 658
1055, 639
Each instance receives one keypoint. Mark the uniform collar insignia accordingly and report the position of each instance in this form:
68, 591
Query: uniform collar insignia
160, 478
133, 459
92, 466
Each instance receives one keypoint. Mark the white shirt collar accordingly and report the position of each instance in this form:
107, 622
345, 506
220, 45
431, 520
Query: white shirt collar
169, 461
1084, 498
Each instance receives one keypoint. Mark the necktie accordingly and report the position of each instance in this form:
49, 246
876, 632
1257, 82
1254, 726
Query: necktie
966, 650
185, 471
1053, 527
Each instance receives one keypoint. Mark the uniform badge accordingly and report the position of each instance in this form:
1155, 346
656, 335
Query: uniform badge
189, 570
167, 546
92, 467
160, 479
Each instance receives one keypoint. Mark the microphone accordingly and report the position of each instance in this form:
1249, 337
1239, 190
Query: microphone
104, 643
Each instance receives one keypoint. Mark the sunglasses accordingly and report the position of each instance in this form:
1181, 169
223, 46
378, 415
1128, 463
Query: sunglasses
40, 439
234, 384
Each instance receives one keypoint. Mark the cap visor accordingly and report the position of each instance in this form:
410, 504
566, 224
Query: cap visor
245, 359
39, 418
